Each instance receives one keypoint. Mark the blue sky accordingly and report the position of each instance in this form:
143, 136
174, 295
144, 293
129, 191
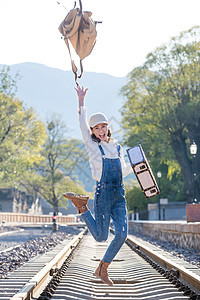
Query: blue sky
130, 30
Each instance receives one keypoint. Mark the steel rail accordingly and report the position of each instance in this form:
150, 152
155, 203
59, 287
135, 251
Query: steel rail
188, 273
11, 232
37, 283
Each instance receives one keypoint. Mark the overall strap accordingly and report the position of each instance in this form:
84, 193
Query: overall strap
118, 150
101, 149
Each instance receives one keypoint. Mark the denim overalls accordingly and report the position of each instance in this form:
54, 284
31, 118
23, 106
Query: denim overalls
109, 202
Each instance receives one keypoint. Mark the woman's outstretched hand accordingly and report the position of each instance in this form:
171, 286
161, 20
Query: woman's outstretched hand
81, 92
81, 96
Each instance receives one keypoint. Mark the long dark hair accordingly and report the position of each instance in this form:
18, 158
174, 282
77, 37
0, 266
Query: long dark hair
96, 139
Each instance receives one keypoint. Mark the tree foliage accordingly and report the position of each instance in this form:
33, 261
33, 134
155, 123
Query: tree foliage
135, 197
8, 83
61, 156
21, 133
162, 111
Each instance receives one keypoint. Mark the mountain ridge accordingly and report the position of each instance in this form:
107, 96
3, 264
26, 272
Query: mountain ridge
50, 90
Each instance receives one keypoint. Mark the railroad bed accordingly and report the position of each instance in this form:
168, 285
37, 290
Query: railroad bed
67, 273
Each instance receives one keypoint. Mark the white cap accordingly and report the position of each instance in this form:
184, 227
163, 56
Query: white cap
97, 118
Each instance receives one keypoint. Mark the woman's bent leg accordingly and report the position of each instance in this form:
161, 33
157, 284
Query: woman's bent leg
99, 225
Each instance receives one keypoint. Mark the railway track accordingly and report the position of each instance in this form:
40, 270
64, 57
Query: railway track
139, 271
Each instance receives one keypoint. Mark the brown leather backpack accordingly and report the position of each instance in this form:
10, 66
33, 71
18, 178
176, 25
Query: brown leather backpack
80, 30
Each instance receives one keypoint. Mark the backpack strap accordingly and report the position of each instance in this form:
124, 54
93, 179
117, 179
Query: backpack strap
74, 67
80, 4
81, 67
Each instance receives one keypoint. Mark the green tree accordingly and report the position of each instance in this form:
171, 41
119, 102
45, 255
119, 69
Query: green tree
8, 83
162, 111
21, 133
135, 197
61, 155
38, 186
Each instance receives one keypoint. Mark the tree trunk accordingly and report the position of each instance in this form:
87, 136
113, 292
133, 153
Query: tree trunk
180, 150
55, 202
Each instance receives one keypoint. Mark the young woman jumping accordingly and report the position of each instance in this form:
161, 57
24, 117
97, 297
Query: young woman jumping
108, 169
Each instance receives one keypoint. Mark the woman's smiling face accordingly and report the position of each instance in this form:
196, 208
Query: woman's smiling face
101, 131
